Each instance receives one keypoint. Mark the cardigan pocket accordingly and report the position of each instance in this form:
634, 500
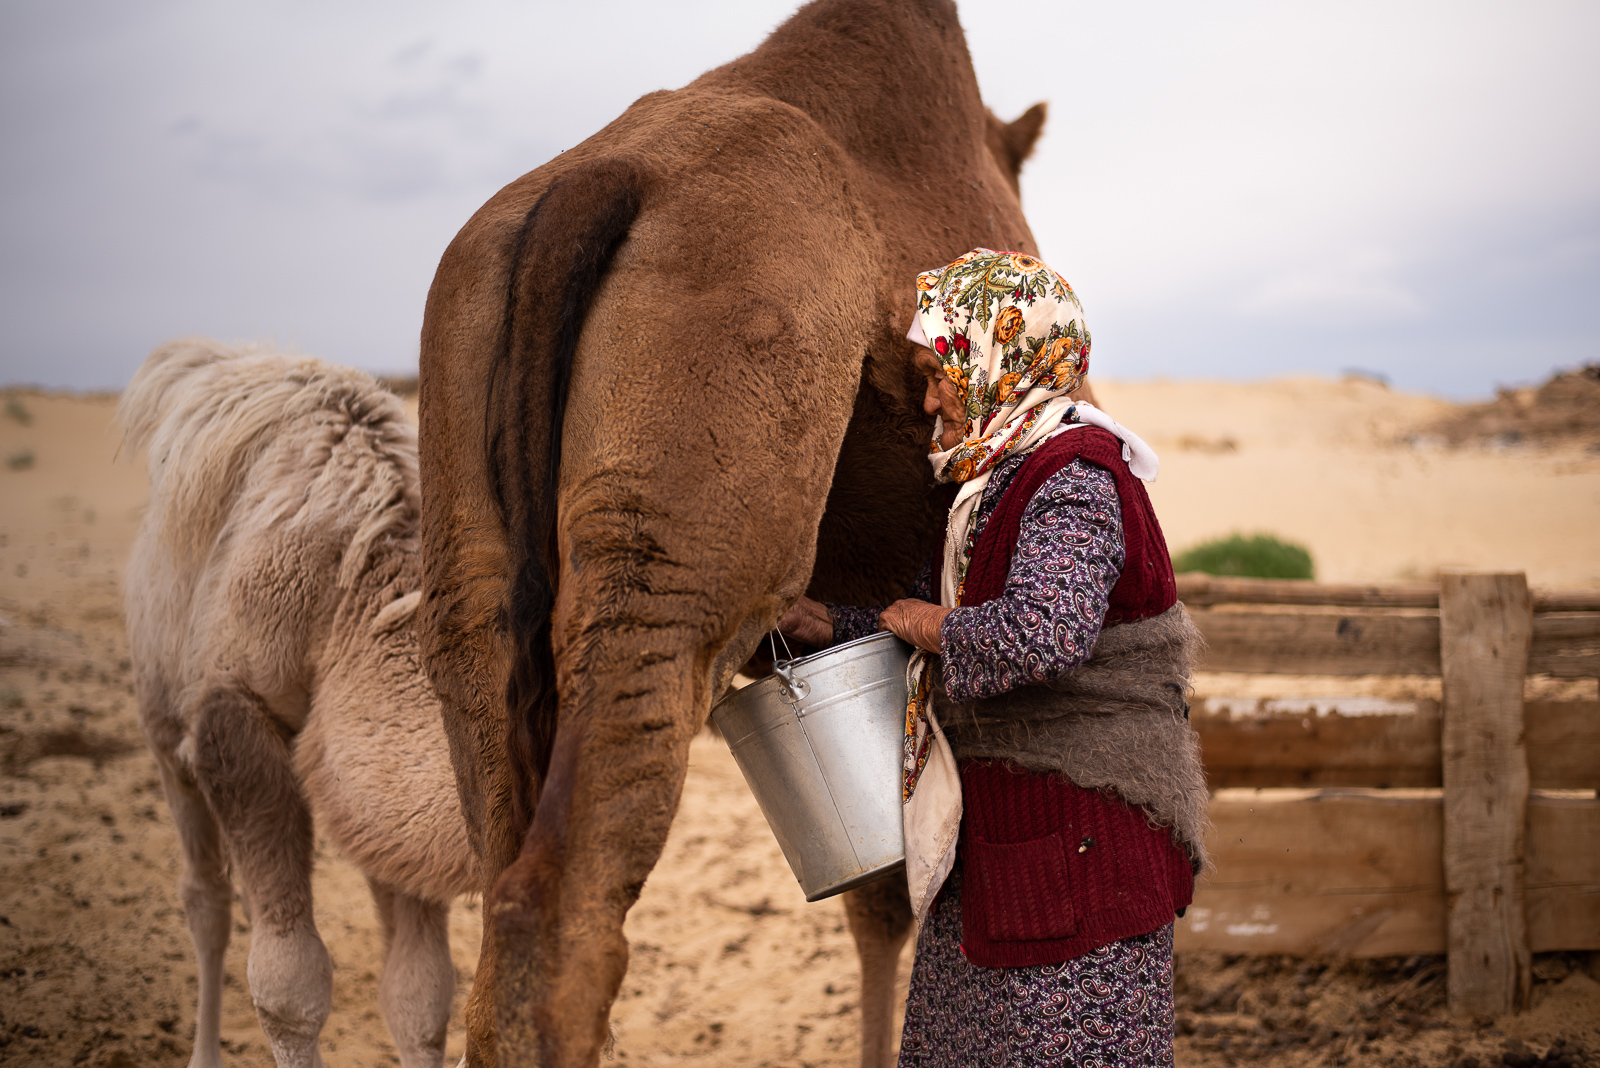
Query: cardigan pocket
1024, 893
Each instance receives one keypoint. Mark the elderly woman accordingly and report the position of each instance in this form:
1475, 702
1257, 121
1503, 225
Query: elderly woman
1055, 803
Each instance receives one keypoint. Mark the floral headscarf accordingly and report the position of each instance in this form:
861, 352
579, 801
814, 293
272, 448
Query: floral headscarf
1009, 333
1011, 336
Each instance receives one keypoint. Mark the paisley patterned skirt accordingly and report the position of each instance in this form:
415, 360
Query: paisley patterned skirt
1112, 1006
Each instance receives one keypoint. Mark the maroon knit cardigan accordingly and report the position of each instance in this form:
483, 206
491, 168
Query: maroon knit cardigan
1051, 870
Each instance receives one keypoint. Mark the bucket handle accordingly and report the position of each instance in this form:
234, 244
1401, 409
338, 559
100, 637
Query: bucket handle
795, 689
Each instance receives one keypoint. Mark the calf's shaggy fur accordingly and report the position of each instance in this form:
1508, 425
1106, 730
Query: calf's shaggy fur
270, 597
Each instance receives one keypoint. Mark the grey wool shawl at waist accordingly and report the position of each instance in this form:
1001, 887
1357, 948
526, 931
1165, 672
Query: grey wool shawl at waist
1120, 722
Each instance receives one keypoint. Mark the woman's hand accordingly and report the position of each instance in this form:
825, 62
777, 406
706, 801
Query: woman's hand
807, 621
917, 622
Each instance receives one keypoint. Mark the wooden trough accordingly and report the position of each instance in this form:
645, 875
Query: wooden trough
1361, 827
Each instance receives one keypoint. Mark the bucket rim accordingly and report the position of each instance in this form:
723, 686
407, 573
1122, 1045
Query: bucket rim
813, 658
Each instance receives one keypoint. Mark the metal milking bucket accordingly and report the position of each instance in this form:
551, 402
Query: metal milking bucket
820, 742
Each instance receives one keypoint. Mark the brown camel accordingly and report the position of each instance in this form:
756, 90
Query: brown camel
270, 598
664, 392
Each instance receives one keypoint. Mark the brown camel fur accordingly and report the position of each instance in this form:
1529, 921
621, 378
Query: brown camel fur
664, 392
270, 597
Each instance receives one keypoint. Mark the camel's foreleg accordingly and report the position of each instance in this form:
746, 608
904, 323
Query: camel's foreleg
419, 979
880, 920
242, 765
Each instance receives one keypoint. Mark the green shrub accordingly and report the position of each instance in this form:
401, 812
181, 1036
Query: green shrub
17, 410
20, 460
1258, 556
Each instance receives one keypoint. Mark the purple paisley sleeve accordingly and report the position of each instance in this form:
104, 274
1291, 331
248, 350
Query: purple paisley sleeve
922, 589
851, 622
1069, 555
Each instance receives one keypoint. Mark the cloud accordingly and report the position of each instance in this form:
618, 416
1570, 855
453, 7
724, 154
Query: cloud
418, 131
1237, 188
1364, 289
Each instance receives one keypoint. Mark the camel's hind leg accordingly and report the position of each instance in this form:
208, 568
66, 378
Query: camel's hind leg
880, 919
243, 767
484, 784
207, 905
419, 978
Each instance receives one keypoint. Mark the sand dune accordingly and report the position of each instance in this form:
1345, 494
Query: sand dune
1327, 464
730, 965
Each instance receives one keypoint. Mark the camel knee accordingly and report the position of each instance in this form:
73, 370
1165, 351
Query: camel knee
291, 985
879, 915
205, 892
208, 908
418, 980
417, 1010
203, 886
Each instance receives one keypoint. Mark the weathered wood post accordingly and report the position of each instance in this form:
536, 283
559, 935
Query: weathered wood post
1485, 627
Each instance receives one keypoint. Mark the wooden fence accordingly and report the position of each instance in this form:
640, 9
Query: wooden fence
1467, 826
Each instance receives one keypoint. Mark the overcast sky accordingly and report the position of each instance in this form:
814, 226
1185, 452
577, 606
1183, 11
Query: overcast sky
1237, 190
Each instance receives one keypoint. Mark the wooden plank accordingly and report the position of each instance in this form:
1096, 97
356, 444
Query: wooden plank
1319, 641
1318, 742
1566, 645
1563, 743
1360, 873
1486, 624
1321, 874
1566, 601
1563, 881
1368, 742
1198, 590
1308, 640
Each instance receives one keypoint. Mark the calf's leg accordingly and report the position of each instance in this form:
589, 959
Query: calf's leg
242, 765
419, 979
207, 898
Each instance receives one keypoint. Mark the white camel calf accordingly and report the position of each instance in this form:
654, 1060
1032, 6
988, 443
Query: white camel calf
269, 599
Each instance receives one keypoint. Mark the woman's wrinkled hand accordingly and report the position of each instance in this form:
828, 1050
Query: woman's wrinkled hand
807, 621
917, 622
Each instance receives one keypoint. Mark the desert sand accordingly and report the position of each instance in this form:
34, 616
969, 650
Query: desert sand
729, 964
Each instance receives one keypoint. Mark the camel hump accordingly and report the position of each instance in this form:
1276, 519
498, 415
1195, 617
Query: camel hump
560, 259
207, 413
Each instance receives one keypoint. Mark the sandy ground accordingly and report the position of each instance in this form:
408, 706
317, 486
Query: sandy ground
729, 965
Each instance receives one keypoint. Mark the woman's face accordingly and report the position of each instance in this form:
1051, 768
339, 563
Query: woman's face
941, 398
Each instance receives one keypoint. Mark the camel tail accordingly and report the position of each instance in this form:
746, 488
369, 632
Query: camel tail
204, 411
563, 252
